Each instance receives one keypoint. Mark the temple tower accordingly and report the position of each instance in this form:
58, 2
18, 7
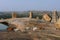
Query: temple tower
54, 16
14, 15
30, 14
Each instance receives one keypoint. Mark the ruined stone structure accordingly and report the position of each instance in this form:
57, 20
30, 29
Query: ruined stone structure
54, 16
30, 14
14, 15
46, 17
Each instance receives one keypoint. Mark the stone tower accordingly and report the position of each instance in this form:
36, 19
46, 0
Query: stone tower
54, 16
30, 14
13, 15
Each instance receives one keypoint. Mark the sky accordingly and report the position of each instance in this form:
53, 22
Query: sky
25, 5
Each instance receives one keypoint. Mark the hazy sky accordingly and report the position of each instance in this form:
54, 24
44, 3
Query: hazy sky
25, 5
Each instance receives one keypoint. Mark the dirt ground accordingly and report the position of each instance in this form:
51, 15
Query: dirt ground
41, 35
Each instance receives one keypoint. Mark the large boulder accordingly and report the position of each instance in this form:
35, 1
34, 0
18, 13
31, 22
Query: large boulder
19, 25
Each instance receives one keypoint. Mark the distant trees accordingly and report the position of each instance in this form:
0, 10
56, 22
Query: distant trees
22, 14
19, 15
